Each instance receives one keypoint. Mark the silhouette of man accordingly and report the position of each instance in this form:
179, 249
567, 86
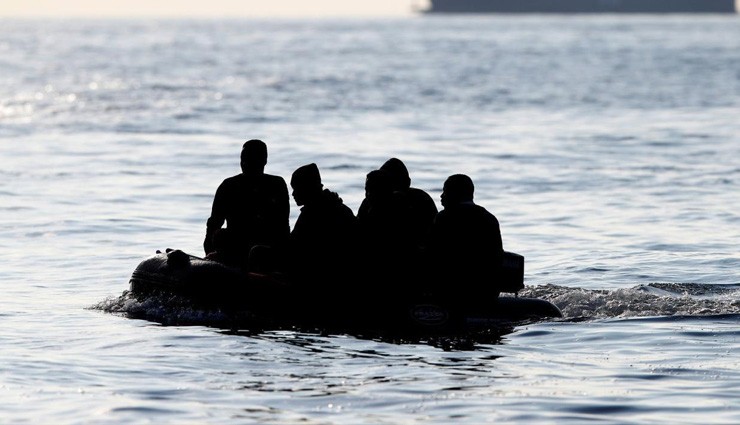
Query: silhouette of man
254, 205
321, 246
465, 245
421, 206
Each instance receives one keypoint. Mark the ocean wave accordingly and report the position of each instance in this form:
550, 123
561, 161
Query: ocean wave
654, 299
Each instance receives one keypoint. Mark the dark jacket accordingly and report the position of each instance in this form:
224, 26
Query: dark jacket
417, 216
466, 248
322, 242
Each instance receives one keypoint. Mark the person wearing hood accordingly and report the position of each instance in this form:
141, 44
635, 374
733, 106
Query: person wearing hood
421, 206
389, 253
321, 246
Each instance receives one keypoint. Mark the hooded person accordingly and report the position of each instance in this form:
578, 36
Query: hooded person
421, 206
321, 246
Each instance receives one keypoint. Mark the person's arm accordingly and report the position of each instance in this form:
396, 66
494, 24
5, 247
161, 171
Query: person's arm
216, 220
497, 239
285, 207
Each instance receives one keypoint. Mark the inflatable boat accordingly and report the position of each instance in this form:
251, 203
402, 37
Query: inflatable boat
272, 300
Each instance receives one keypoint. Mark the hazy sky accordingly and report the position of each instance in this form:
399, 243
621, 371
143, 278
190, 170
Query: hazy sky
208, 8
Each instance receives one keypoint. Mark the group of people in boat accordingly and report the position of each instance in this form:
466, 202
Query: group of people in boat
398, 241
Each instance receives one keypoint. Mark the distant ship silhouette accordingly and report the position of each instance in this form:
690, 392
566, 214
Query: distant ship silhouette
582, 6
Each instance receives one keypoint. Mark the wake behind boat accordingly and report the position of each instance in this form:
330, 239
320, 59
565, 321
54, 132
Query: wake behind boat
270, 300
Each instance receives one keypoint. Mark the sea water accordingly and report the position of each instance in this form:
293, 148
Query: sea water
607, 146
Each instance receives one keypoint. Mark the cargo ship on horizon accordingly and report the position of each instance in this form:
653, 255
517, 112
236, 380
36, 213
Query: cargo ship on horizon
581, 6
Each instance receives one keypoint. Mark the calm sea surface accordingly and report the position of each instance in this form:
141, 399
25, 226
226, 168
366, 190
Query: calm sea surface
608, 147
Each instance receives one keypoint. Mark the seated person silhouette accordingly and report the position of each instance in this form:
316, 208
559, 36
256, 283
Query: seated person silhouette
254, 205
421, 206
321, 249
465, 248
388, 246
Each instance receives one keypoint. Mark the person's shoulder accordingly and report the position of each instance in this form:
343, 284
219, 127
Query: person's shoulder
347, 209
337, 201
332, 199
274, 180
485, 212
231, 181
443, 214
421, 195
348, 215
462, 211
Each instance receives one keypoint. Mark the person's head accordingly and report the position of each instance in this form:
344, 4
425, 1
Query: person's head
457, 188
306, 183
398, 172
254, 157
378, 185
